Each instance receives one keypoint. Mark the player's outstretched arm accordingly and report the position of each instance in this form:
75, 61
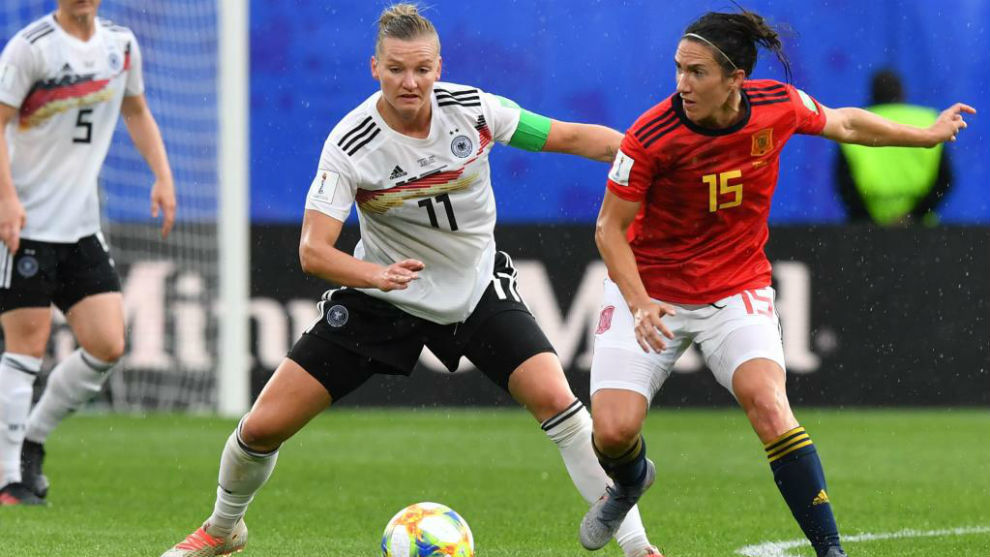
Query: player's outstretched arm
320, 258
148, 140
855, 125
12, 215
614, 219
590, 141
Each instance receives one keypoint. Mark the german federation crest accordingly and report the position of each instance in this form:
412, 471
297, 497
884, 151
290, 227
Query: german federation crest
461, 146
114, 61
27, 266
337, 316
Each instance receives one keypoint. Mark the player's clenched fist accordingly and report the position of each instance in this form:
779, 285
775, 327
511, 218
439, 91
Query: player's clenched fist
649, 325
397, 276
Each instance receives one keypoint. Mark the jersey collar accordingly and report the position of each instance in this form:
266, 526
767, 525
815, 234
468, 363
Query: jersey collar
678, 104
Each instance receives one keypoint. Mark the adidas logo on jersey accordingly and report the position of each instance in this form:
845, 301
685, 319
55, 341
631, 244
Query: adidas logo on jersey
397, 173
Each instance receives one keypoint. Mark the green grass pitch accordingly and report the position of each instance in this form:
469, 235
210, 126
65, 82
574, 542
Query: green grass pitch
133, 486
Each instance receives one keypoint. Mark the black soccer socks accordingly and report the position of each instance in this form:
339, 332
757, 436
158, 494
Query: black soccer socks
627, 469
797, 471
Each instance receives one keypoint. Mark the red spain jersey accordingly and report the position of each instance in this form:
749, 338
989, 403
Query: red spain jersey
706, 193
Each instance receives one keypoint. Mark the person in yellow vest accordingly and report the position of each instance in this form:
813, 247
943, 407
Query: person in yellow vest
893, 185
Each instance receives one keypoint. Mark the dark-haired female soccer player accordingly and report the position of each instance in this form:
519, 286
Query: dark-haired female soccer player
682, 230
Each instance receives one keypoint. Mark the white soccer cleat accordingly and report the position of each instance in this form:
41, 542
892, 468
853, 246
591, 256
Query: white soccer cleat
203, 544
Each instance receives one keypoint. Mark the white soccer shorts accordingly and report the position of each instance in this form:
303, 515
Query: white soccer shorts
729, 332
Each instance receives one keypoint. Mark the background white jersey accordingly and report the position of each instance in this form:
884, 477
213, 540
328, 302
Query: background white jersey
68, 93
429, 199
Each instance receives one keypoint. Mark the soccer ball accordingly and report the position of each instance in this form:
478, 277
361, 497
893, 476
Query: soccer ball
427, 530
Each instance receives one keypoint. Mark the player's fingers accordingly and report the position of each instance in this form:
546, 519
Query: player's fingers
168, 222
966, 108
656, 342
411, 264
642, 343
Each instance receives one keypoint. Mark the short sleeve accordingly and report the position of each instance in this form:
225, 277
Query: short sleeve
135, 74
632, 171
502, 116
18, 69
334, 187
810, 115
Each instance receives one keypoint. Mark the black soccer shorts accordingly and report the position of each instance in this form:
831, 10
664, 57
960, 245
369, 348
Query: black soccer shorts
360, 336
43, 273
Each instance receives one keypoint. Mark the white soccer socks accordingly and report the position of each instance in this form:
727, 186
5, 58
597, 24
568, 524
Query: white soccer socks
570, 430
17, 375
242, 473
71, 384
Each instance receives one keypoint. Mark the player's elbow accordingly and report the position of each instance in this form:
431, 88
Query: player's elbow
604, 231
308, 258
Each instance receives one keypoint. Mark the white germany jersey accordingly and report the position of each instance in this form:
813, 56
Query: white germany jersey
68, 95
428, 199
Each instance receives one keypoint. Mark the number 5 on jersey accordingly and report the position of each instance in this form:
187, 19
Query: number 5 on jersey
719, 186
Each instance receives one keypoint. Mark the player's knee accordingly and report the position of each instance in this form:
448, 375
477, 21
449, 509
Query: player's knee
108, 350
259, 434
768, 411
615, 435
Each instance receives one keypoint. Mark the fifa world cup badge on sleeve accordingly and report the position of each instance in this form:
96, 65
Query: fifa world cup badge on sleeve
324, 185
621, 168
7, 76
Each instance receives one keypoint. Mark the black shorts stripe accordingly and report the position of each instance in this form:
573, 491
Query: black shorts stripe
772, 101
365, 142
353, 131
767, 88
642, 129
657, 127
652, 140
41, 35
562, 416
357, 138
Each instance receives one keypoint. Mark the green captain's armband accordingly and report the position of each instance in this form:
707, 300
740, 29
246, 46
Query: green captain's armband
532, 131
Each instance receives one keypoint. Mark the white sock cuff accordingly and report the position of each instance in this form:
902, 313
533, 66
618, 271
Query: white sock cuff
573, 420
93, 362
21, 362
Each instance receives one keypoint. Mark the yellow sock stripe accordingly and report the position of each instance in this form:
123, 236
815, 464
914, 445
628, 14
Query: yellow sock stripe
782, 439
800, 438
630, 454
790, 450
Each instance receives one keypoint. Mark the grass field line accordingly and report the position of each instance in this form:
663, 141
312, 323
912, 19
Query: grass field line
781, 548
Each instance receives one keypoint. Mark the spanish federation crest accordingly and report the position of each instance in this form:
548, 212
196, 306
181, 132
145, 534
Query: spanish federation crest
762, 142
461, 146
337, 316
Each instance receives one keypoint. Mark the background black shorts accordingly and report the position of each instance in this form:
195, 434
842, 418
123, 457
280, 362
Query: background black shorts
43, 273
360, 335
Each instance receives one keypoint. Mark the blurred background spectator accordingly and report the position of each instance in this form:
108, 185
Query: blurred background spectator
893, 185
